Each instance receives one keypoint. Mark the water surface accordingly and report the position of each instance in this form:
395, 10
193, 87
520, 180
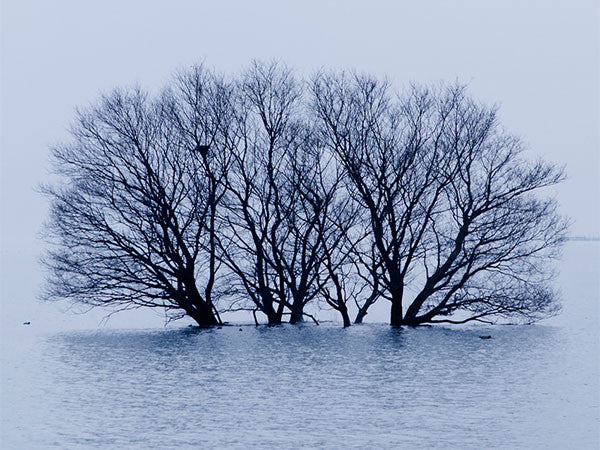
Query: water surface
367, 386
307, 386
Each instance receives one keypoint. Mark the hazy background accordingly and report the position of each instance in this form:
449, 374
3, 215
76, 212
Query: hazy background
538, 59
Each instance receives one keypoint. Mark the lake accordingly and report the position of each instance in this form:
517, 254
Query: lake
310, 386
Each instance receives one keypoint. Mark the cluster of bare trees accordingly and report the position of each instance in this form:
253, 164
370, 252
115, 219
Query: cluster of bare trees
269, 194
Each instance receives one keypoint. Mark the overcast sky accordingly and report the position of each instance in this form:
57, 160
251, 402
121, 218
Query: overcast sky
538, 59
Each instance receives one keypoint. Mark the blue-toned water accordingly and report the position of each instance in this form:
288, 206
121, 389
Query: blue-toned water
307, 386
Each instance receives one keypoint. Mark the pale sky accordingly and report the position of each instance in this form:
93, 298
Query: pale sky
538, 59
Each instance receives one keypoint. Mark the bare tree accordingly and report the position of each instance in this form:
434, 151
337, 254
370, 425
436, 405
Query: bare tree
332, 217
489, 248
285, 219
200, 109
255, 195
368, 269
251, 221
449, 199
270, 239
132, 220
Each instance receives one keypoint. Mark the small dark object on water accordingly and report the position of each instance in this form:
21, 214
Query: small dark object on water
485, 337
240, 329
26, 323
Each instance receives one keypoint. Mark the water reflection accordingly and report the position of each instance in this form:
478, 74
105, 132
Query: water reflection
305, 386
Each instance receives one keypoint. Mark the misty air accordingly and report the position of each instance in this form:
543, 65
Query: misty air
327, 225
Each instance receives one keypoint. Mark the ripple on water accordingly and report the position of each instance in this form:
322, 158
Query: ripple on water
306, 386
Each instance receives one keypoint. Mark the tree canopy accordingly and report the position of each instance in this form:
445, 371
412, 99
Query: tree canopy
282, 196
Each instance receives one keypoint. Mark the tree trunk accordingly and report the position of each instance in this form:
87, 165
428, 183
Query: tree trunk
396, 313
196, 307
273, 316
415, 306
345, 316
274, 320
202, 314
279, 314
362, 312
297, 316
397, 292
297, 309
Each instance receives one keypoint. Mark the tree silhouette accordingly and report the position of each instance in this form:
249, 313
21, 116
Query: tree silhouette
451, 203
268, 194
132, 221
